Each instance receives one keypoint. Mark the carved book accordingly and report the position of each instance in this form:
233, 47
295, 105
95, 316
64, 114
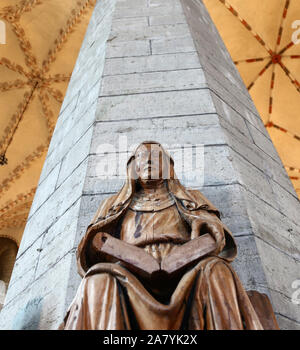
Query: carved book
139, 261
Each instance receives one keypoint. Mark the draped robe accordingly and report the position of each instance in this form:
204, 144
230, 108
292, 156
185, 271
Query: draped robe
208, 296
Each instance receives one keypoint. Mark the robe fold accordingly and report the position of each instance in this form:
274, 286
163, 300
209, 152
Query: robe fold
208, 297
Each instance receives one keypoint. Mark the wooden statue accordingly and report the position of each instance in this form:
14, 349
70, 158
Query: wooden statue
157, 256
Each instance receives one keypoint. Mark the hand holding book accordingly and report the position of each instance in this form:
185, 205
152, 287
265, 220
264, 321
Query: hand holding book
208, 223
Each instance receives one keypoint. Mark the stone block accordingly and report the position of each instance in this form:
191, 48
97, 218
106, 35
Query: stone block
180, 130
9, 313
248, 265
161, 3
60, 201
230, 116
287, 202
145, 32
223, 88
24, 270
173, 45
42, 305
129, 23
154, 63
166, 19
45, 189
159, 104
81, 123
90, 73
264, 143
256, 121
287, 324
153, 82
64, 114
172, 8
254, 179
77, 154
121, 4
272, 226
229, 200
218, 167
59, 239
285, 306
229, 98
128, 48
253, 154
280, 277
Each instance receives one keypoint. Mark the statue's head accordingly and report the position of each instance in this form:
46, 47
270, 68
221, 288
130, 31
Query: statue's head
152, 164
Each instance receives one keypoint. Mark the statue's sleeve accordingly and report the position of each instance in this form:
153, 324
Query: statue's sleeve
230, 250
96, 225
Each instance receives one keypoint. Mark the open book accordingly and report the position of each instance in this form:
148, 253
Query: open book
138, 261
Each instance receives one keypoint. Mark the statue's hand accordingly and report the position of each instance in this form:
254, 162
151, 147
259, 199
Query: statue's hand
95, 247
98, 241
209, 223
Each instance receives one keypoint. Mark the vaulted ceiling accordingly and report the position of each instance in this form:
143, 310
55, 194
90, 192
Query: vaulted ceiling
43, 38
265, 47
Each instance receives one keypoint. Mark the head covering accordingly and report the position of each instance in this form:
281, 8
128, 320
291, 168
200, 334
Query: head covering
175, 187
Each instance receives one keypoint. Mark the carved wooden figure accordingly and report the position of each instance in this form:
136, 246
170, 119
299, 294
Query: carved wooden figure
157, 256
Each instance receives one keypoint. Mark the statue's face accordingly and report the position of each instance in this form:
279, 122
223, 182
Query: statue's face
149, 162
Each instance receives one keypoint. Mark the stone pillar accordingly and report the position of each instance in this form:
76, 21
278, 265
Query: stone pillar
155, 70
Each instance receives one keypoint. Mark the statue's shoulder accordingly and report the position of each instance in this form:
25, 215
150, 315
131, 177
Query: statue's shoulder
104, 207
200, 200
193, 191
197, 195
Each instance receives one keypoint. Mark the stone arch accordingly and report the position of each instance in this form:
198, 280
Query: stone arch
8, 253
